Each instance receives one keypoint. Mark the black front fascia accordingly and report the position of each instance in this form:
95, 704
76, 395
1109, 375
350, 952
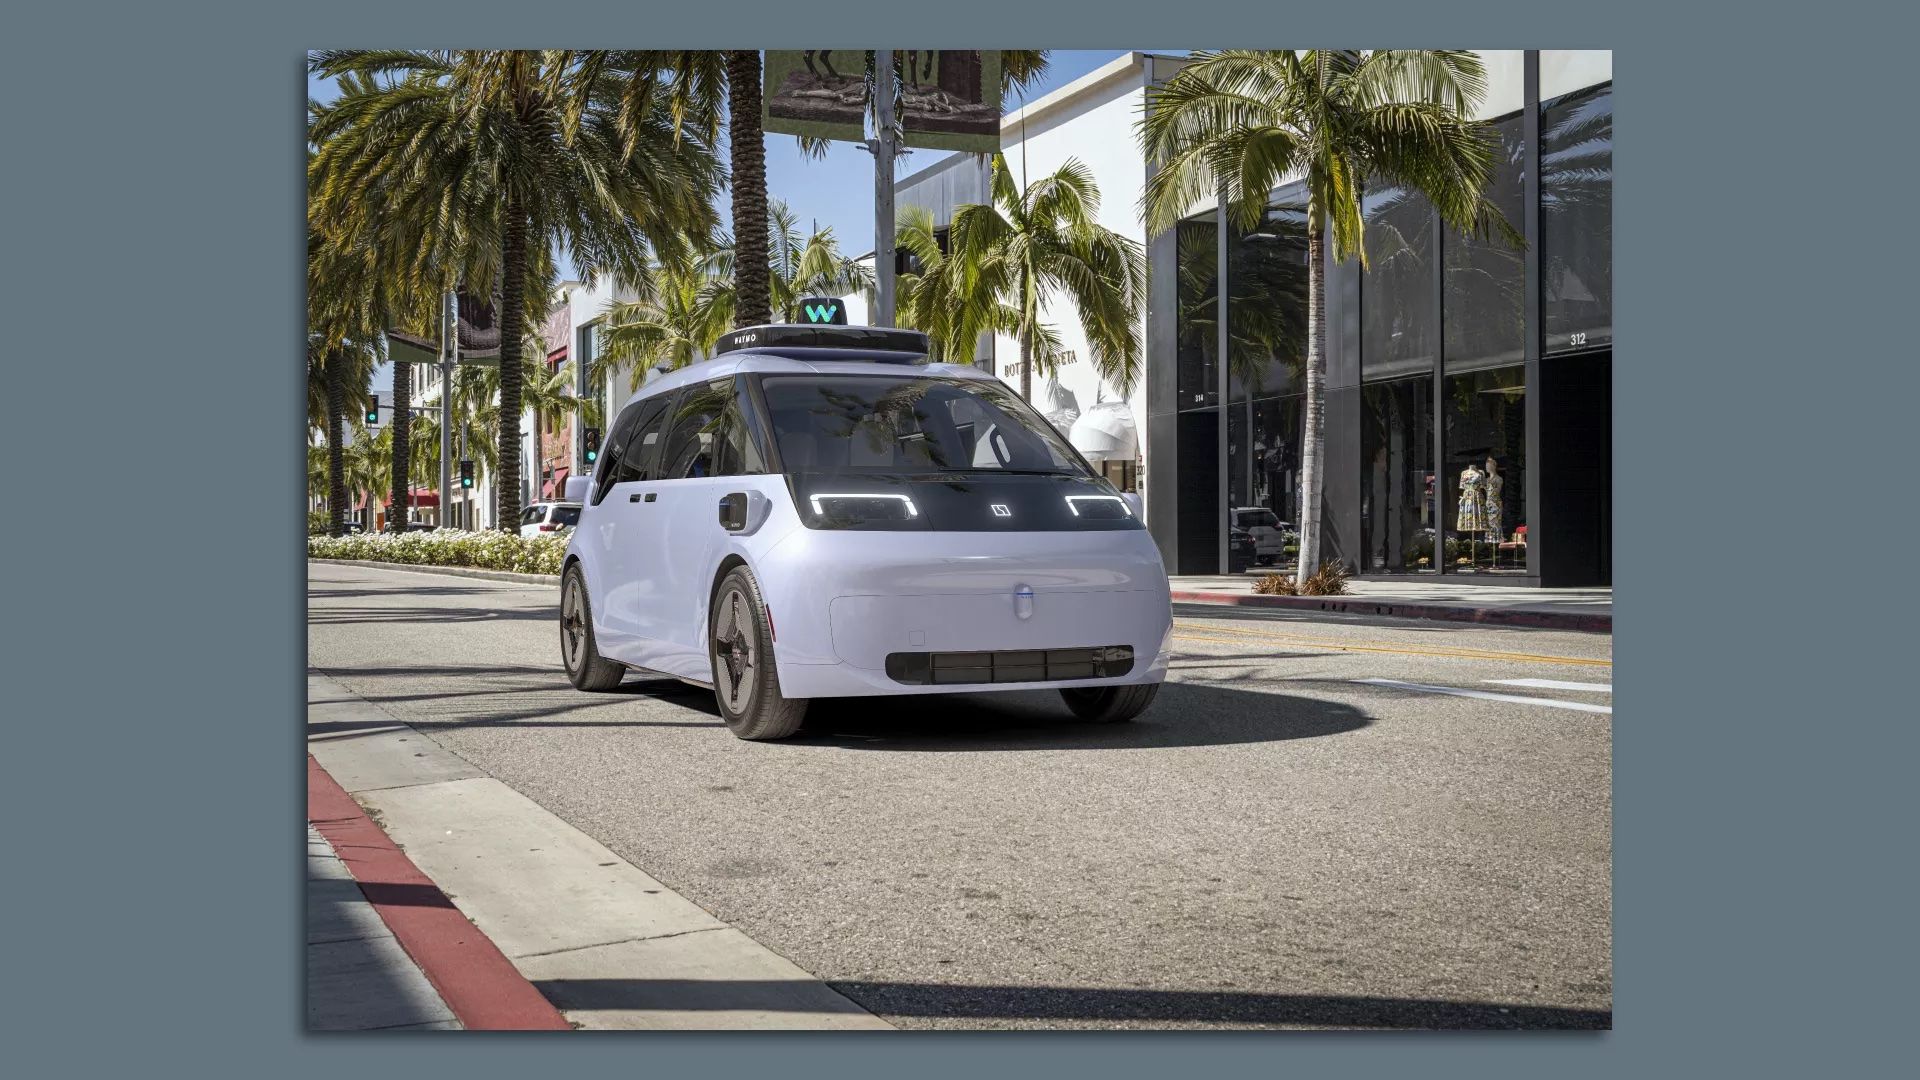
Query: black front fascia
960, 502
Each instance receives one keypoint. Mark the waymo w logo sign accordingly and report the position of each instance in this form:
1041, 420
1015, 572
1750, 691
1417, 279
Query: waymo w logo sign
825, 311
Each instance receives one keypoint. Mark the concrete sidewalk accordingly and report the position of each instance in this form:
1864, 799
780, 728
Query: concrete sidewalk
358, 976
1510, 605
606, 943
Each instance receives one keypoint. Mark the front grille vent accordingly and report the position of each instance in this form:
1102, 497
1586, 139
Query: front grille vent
1008, 666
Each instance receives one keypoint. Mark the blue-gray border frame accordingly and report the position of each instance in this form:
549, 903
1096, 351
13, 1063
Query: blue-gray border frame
155, 664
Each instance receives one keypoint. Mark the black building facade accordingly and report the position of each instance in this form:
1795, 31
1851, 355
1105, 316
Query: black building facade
1468, 403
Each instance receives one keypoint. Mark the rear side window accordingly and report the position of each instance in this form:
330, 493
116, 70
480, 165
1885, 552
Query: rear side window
631, 449
566, 515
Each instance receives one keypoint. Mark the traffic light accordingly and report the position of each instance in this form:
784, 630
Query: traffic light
592, 440
373, 408
466, 474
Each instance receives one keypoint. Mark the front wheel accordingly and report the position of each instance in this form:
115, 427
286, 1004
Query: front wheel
1110, 704
745, 684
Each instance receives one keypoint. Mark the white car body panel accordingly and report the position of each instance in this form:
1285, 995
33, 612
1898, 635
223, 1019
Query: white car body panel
841, 600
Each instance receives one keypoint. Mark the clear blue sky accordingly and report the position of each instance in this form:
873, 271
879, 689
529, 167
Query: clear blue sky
837, 190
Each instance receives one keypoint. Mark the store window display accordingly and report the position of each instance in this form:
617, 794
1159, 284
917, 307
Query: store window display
1486, 456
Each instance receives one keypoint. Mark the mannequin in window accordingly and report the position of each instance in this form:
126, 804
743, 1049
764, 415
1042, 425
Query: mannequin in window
1472, 513
1490, 500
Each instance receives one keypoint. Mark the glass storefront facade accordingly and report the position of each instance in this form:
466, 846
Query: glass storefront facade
1468, 401
1576, 219
1266, 349
1398, 518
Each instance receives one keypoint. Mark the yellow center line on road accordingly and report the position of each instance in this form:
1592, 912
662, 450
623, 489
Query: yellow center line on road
1234, 636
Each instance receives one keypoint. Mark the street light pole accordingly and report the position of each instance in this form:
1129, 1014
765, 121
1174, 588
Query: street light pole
883, 151
449, 345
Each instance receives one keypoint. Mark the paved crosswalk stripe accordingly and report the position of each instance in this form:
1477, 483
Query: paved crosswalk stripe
1556, 684
1577, 706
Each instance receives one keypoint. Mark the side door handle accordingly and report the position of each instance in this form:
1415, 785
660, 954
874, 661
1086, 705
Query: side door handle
635, 497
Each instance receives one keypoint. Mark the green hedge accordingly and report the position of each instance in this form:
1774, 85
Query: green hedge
489, 550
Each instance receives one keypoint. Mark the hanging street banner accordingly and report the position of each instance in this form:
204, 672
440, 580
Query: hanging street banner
949, 98
820, 93
479, 338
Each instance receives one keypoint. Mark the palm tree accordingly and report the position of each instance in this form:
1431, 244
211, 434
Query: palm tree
700, 87
369, 461
1025, 247
1238, 123
933, 298
476, 413
799, 267
317, 473
694, 301
342, 349
675, 327
480, 166
747, 149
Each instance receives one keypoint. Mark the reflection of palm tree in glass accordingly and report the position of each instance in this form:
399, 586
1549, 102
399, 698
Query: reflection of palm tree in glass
1576, 205
1486, 279
1266, 300
1398, 284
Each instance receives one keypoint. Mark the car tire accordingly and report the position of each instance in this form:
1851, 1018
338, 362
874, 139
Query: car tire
1109, 704
586, 668
740, 650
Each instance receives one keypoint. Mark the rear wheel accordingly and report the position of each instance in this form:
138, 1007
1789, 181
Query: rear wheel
744, 681
1110, 704
586, 668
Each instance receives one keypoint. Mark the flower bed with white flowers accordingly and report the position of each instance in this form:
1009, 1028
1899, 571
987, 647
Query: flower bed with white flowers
490, 550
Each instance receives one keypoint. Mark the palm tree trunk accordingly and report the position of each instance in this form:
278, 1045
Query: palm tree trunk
1312, 452
336, 446
746, 144
513, 287
402, 445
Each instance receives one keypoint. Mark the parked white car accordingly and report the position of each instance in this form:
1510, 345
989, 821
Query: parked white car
549, 517
819, 512
1270, 534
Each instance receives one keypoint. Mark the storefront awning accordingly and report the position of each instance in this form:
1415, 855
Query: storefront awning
1106, 432
420, 497
551, 489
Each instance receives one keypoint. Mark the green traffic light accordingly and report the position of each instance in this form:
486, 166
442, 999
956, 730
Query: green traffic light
592, 456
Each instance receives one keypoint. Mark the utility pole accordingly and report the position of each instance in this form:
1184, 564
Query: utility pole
580, 338
449, 356
883, 148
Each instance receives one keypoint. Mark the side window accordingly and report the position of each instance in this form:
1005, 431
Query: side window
699, 445
630, 446
745, 435
639, 462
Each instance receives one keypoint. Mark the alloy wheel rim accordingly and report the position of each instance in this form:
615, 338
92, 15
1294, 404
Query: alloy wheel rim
734, 659
573, 632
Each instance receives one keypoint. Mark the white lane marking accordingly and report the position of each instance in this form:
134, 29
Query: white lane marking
1556, 684
1577, 706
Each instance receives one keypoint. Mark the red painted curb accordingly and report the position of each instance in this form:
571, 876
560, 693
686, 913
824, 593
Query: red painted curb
475, 978
1546, 620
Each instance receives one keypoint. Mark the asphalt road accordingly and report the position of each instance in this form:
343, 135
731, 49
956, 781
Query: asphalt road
1275, 843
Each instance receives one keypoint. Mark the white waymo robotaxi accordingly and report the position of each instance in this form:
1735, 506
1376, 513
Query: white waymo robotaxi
820, 512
